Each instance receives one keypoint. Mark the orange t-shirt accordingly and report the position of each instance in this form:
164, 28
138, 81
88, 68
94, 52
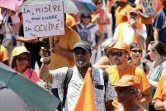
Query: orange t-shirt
116, 75
34, 77
70, 20
3, 54
160, 94
121, 14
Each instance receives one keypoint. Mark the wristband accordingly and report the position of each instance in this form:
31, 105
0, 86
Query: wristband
47, 63
44, 62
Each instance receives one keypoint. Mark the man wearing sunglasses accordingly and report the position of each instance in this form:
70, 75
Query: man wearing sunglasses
132, 30
120, 53
81, 53
128, 92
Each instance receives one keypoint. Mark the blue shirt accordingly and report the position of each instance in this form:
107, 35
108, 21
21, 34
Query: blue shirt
160, 22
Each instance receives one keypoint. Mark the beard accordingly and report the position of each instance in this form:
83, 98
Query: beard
81, 64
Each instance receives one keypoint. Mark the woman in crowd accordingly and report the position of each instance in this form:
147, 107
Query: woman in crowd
21, 63
106, 61
156, 52
136, 55
88, 31
101, 18
10, 25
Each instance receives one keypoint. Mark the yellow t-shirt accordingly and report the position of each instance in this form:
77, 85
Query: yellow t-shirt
160, 94
66, 42
116, 75
3, 54
70, 20
121, 14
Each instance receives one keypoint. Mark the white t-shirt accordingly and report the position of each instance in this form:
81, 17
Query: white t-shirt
75, 85
128, 33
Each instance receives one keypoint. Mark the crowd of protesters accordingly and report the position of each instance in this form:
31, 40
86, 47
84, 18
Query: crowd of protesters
130, 74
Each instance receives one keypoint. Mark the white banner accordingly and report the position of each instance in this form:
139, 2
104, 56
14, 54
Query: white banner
42, 20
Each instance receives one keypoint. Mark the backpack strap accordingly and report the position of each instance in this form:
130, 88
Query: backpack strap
144, 67
105, 78
66, 83
91, 26
79, 26
30, 73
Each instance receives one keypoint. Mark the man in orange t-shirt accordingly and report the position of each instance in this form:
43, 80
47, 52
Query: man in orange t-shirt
127, 90
121, 11
159, 99
120, 53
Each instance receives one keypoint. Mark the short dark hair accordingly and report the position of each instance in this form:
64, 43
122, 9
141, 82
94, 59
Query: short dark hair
158, 46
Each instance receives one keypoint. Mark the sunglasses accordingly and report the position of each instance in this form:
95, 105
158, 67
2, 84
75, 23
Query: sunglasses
86, 17
122, 89
133, 14
79, 52
21, 59
99, 3
135, 51
118, 54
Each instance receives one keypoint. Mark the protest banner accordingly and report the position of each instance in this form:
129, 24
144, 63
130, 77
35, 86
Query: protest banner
42, 20
148, 7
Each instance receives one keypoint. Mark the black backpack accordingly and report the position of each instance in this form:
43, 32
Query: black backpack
69, 76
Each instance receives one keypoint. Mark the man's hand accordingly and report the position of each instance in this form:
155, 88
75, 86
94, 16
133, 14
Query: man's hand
132, 23
44, 54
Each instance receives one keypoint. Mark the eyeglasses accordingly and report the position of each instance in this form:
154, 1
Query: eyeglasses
118, 54
135, 51
133, 14
99, 3
86, 17
21, 59
79, 52
122, 89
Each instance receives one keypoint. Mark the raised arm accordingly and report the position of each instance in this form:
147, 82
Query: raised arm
44, 70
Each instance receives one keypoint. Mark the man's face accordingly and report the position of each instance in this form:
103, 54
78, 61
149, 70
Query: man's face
125, 94
81, 57
119, 56
132, 16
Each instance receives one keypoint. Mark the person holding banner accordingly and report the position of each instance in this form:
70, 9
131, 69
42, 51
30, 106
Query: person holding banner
104, 92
